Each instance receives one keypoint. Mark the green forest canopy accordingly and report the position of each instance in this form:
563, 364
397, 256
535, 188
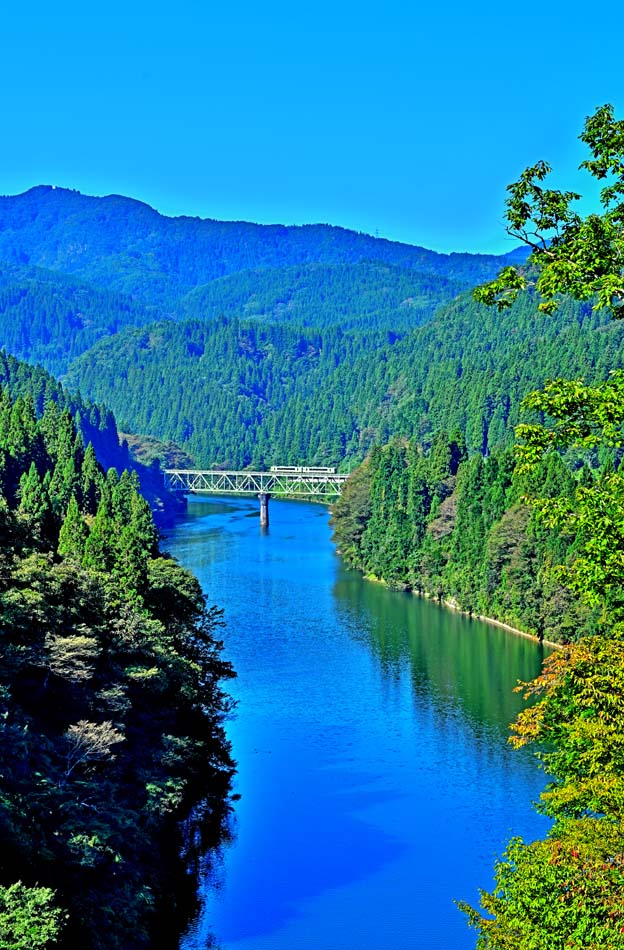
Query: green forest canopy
111, 696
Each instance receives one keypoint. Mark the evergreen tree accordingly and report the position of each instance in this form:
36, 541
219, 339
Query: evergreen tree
101, 544
73, 533
91, 480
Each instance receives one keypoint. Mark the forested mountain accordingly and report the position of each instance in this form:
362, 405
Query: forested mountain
367, 295
303, 347
304, 343
50, 318
470, 368
75, 269
122, 244
239, 393
111, 705
229, 393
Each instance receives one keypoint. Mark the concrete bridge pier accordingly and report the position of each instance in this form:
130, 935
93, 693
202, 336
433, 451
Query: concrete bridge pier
264, 509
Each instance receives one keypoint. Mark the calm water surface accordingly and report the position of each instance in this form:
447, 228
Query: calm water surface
370, 736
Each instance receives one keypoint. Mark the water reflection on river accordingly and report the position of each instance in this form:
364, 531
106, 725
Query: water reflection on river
370, 734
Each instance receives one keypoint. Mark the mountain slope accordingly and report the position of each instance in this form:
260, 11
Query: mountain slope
238, 392
50, 318
124, 245
366, 295
95, 424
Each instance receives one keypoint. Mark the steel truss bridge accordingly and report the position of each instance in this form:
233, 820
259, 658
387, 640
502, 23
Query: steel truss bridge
263, 484
326, 484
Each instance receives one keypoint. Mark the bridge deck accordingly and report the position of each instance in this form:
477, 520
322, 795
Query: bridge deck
256, 483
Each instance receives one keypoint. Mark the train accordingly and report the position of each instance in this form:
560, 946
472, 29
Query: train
302, 470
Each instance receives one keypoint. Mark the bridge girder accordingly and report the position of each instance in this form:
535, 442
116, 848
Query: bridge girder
254, 483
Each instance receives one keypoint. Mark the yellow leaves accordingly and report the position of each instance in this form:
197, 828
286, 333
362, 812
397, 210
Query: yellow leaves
72, 657
600, 795
578, 722
139, 673
89, 742
164, 797
528, 726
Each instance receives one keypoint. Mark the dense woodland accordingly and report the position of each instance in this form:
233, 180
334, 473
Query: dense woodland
461, 529
262, 353
96, 425
75, 269
110, 687
238, 393
49, 318
367, 295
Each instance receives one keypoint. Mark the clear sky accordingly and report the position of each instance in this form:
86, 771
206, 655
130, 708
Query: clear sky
392, 118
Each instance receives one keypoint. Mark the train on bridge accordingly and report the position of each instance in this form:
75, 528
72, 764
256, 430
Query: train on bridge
302, 469
308, 481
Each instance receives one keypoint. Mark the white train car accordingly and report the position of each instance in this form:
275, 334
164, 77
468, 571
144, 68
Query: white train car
302, 470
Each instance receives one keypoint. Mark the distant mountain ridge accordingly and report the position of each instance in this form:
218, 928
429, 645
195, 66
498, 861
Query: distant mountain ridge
124, 245
248, 343
76, 269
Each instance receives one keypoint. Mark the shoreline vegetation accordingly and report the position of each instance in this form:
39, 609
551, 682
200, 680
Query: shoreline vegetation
462, 531
454, 606
566, 890
112, 705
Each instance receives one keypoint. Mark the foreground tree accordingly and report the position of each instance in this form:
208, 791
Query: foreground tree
111, 706
29, 920
566, 893
582, 257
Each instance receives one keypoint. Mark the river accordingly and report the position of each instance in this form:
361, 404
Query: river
370, 734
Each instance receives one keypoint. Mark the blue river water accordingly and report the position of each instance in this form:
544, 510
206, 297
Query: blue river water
376, 782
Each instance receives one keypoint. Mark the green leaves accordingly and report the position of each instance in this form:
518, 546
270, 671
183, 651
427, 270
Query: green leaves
572, 255
577, 722
567, 893
584, 418
580, 415
605, 137
29, 919
503, 290
564, 893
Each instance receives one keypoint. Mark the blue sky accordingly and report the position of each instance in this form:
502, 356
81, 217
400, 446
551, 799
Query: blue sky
388, 118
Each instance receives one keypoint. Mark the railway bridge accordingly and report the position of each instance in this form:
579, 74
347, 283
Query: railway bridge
291, 480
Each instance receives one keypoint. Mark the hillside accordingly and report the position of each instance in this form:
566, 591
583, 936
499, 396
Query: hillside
95, 425
111, 701
75, 270
49, 318
470, 368
366, 295
235, 393
252, 344
122, 244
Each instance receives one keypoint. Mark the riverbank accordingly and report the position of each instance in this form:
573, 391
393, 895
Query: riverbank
453, 605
